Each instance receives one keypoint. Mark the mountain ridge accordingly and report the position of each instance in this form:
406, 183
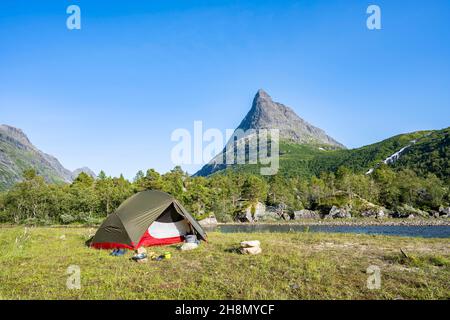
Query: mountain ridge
17, 154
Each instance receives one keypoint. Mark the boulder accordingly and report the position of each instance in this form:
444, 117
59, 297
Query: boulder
444, 211
253, 213
246, 216
373, 213
251, 243
267, 215
286, 216
279, 211
306, 214
250, 247
208, 222
336, 212
251, 250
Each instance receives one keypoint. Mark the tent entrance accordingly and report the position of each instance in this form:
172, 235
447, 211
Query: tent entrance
169, 228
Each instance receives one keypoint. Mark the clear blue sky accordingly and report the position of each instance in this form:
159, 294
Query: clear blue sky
109, 95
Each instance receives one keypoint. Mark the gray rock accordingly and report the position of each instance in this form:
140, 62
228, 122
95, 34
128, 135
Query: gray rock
286, 216
305, 214
250, 243
373, 213
208, 222
253, 213
336, 212
245, 216
251, 250
444, 211
270, 214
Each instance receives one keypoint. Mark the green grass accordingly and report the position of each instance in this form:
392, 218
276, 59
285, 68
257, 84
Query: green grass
33, 264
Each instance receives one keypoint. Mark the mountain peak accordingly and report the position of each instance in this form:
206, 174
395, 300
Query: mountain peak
15, 134
85, 170
261, 94
267, 114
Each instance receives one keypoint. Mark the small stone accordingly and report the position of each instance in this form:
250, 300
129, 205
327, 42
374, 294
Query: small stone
251, 250
189, 246
250, 244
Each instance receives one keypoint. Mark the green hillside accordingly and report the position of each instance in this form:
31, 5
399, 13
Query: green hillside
429, 154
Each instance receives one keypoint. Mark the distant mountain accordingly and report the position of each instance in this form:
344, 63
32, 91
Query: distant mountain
17, 154
268, 114
85, 170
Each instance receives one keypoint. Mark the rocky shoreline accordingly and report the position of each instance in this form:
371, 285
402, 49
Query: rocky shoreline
352, 222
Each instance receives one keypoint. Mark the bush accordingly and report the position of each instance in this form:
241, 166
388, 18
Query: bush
67, 218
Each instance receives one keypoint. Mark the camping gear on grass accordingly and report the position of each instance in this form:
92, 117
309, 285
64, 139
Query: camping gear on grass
190, 242
166, 255
250, 247
118, 252
191, 239
147, 218
140, 256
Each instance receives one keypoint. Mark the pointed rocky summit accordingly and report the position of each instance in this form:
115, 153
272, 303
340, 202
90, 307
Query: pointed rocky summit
267, 114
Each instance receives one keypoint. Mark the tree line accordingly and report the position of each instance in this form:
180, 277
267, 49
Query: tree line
88, 200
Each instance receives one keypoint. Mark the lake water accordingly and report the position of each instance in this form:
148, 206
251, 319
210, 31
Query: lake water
407, 231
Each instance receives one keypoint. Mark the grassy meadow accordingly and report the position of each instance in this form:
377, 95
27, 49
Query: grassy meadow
34, 262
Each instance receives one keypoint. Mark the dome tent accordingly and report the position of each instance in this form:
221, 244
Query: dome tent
147, 218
